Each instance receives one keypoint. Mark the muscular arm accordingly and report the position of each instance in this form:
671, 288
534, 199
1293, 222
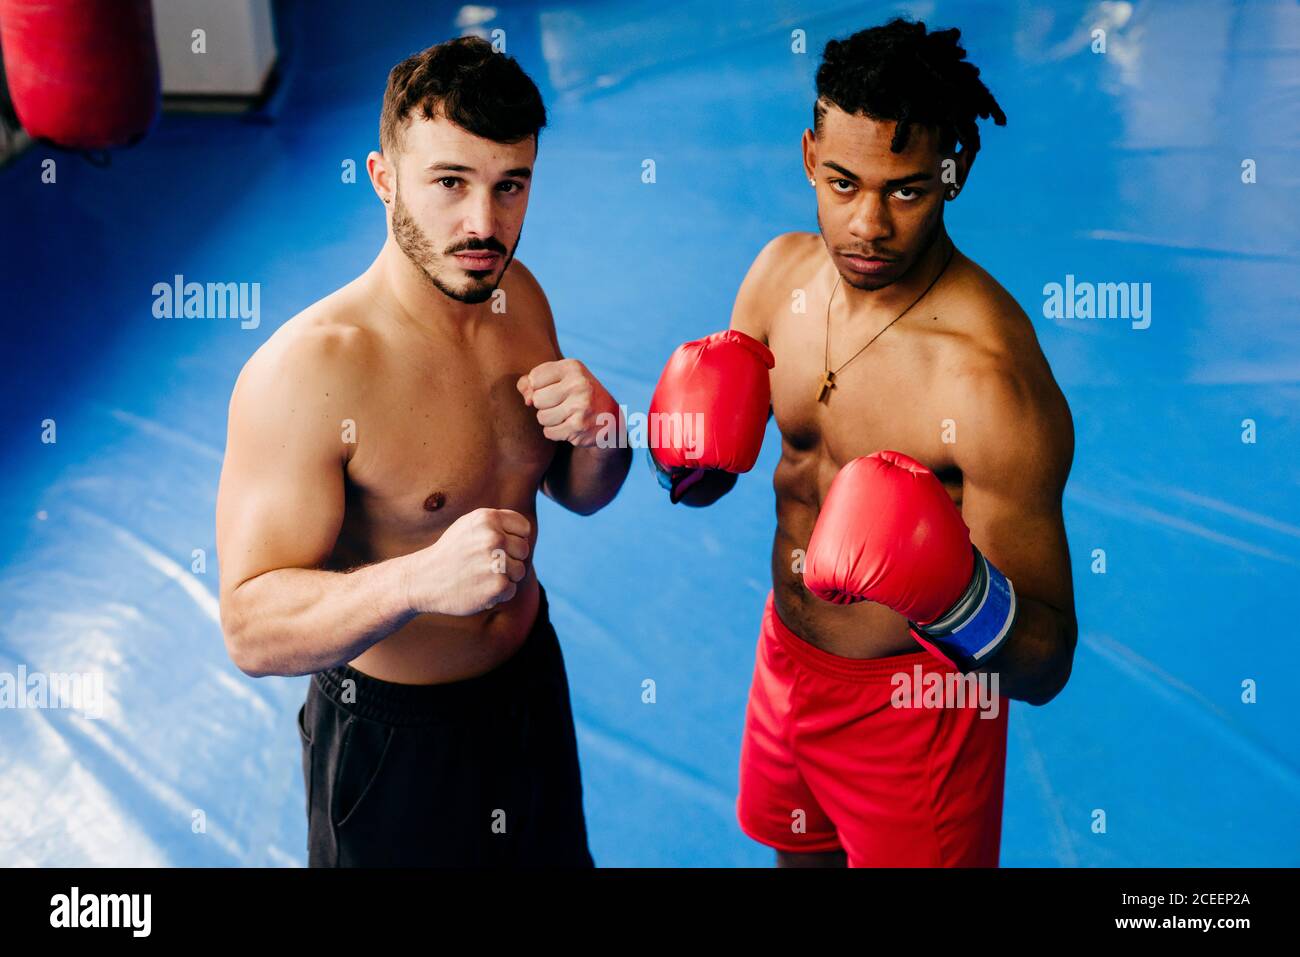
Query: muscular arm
1015, 443
279, 510
583, 479
763, 285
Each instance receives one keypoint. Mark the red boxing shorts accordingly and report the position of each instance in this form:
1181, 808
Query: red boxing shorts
833, 760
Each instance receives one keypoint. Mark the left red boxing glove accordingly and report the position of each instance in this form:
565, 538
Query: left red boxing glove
709, 411
889, 533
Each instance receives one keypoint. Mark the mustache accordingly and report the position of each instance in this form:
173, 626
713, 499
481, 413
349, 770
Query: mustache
491, 244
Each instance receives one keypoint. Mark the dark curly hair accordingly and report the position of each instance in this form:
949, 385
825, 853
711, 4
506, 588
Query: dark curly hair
465, 80
900, 72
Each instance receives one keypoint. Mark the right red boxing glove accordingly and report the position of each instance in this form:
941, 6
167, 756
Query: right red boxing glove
888, 532
710, 408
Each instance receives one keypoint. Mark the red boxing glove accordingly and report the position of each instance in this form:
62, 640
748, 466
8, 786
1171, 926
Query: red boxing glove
710, 408
889, 533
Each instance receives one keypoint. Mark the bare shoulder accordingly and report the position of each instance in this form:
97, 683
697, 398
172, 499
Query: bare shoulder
1002, 380
788, 262
785, 265
526, 299
989, 330
320, 359
522, 288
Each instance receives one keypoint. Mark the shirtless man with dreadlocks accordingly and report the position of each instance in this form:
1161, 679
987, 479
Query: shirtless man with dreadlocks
921, 574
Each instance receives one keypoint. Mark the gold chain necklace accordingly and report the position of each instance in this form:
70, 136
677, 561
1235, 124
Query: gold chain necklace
828, 377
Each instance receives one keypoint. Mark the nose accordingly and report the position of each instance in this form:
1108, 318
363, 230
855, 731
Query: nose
479, 215
871, 222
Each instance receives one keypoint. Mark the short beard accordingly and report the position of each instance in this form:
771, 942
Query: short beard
412, 241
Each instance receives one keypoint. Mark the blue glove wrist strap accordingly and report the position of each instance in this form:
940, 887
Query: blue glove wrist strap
978, 624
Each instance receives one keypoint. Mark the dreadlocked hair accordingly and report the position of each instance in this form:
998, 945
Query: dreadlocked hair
900, 72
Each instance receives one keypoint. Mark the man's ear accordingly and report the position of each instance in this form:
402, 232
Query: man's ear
383, 177
957, 167
809, 154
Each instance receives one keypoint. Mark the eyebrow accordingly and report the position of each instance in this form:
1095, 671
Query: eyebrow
889, 184
519, 172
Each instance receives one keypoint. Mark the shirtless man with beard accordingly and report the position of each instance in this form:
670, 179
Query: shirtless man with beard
376, 517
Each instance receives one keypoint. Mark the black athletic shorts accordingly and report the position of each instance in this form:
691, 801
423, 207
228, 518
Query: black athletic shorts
475, 773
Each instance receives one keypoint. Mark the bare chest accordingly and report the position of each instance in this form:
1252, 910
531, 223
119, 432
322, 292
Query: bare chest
891, 396
439, 439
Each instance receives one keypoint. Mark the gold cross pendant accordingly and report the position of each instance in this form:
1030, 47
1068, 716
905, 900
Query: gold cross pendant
827, 383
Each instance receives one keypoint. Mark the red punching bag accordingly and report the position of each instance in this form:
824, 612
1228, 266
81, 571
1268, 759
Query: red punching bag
81, 73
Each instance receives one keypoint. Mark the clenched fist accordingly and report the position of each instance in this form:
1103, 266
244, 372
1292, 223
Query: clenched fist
475, 565
569, 401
